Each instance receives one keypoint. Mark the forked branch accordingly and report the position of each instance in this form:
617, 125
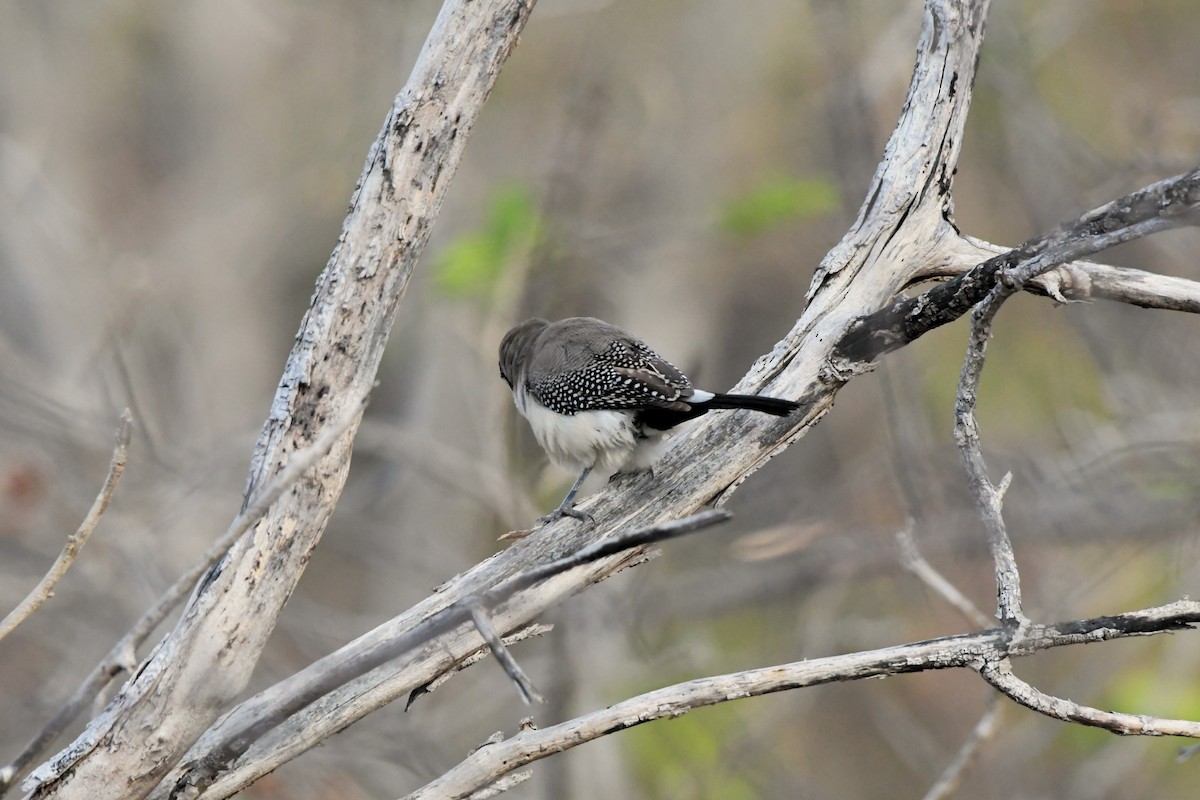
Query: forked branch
1170, 203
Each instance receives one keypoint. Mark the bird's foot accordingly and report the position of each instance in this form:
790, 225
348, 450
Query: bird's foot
557, 513
567, 511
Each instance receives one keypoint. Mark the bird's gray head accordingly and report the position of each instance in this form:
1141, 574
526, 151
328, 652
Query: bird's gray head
515, 348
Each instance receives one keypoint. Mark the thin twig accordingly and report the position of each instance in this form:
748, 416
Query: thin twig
75, 542
123, 655
1000, 675
983, 730
483, 624
1163, 205
914, 562
988, 497
1167, 204
1075, 281
652, 534
528, 632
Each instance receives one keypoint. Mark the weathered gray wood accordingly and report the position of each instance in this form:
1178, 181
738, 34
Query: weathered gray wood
206, 661
1077, 280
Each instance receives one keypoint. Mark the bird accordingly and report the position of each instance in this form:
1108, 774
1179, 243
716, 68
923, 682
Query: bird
599, 398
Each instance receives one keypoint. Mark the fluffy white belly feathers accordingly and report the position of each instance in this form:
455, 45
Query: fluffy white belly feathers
607, 441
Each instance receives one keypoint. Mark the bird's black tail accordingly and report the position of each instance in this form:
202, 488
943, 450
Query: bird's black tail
753, 402
663, 419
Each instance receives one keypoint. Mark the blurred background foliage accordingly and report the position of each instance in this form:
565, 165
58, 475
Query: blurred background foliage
173, 178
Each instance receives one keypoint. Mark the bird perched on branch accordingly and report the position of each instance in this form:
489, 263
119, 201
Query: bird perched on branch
599, 398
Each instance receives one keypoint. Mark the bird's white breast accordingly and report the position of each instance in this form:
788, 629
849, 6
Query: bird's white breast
603, 440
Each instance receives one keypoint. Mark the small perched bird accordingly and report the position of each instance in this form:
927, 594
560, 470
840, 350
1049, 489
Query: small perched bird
599, 398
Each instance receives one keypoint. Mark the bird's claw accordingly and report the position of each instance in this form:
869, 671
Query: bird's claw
557, 513
567, 511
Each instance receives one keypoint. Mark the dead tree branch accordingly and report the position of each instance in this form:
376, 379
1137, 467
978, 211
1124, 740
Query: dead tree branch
989, 498
503, 785
1000, 675
230, 739
1076, 281
1160, 206
972, 651
487, 631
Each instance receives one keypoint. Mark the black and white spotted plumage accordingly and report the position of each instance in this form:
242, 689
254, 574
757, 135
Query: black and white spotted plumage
598, 397
584, 375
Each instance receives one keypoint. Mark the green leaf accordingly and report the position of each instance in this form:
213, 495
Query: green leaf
473, 263
777, 201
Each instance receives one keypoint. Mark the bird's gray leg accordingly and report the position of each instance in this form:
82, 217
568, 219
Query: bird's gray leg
567, 507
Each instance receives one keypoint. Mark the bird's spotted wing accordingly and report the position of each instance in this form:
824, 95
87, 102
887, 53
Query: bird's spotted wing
625, 375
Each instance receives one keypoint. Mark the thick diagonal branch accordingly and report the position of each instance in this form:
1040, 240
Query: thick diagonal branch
268, 710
